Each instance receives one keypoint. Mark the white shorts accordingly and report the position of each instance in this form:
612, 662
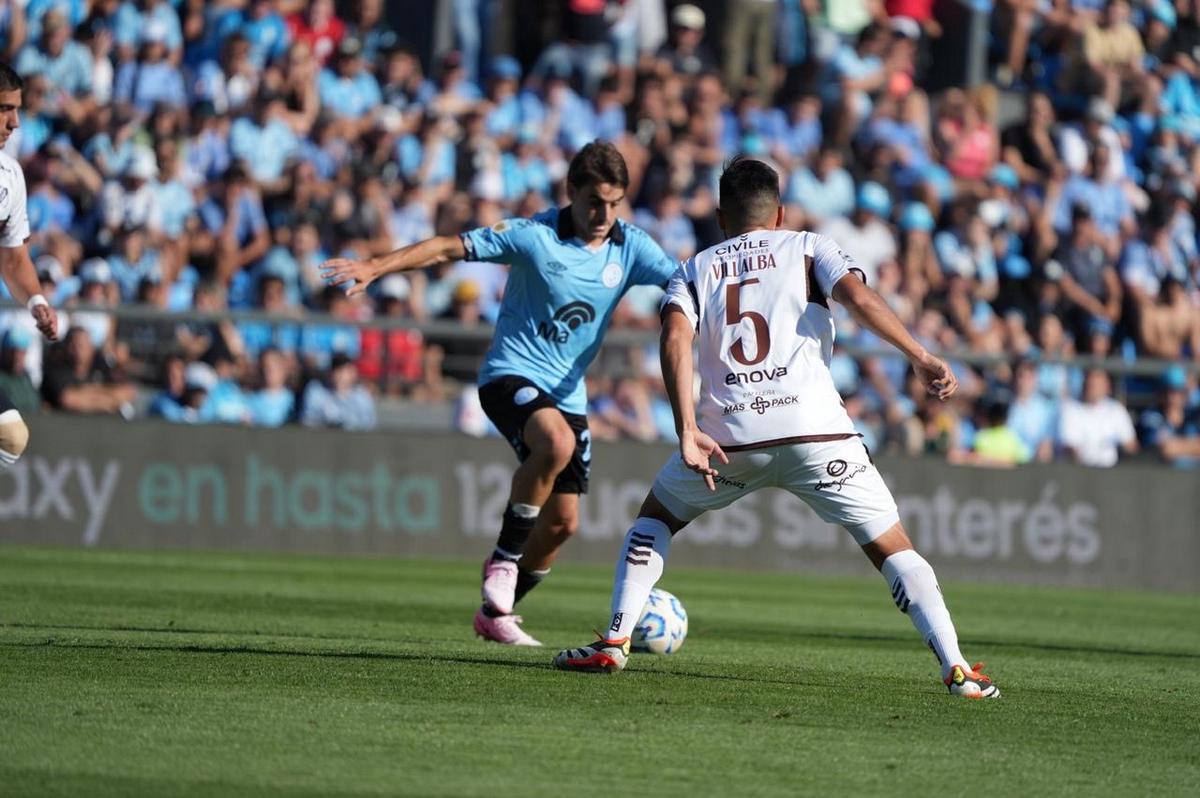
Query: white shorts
837, 479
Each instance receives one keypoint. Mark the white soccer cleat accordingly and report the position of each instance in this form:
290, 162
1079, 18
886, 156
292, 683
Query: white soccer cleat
970, 683
503, 629
603, 656
499, 584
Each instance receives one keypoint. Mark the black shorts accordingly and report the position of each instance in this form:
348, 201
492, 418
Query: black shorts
510, 401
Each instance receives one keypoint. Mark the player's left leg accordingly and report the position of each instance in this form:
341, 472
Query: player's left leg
840, 482
14, 435
916, 593
555, 525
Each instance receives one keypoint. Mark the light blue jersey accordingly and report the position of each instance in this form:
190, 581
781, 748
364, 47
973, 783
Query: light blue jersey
560, 297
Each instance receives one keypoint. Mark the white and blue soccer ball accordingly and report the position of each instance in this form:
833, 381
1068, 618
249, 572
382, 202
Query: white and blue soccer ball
663, 625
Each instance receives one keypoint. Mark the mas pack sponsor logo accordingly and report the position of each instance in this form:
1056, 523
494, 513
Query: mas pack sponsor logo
760, 405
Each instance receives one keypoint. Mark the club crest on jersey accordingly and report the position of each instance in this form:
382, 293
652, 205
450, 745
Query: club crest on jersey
612, 274
501, 227
566, 320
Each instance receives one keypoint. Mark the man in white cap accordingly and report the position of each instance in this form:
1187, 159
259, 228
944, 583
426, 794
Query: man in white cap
685, 50
16, 267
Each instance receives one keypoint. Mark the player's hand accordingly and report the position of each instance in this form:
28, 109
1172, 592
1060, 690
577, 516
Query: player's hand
697, 449
47, 321
936, 376
340, 271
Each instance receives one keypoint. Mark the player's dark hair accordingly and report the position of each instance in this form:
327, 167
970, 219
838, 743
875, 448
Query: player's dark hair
598, 162
749, 191
9, 79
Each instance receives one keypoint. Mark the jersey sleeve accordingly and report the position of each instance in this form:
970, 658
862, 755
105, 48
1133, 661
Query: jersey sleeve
681, 293
16, 228
501, 241
830, 264
651, 266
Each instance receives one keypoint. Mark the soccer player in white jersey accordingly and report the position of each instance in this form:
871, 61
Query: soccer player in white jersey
770, 414
16, 267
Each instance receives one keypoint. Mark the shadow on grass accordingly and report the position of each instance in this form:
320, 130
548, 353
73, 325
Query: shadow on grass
798, 635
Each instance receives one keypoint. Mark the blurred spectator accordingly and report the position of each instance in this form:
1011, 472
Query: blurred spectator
154, 78
1032, 416
340, 401
184, 392
750, 40
79, 380
865, 234
1090, 286
348, 91
64, 63
14, 379
996, 443
274, 403
1173, 428
1093, 430
825, 190
319, 27
685, 52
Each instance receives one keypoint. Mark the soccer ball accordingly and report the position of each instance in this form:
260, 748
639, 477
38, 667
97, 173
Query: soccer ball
663, 625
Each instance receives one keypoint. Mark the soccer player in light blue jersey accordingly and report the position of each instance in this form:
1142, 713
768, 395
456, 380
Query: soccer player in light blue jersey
570, 268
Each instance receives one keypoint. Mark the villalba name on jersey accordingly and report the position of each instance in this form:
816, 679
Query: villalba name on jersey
759, 306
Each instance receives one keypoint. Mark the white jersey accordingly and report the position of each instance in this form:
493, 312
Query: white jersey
759, 305
14, 218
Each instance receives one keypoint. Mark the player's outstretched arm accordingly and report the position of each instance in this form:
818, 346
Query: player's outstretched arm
430, 252
675, 348
869, 310
21, 278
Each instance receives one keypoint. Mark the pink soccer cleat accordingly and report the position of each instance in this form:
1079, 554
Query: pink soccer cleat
499, 584
502, 629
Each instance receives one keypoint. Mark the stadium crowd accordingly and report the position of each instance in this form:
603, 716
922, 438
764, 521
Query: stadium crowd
209, 156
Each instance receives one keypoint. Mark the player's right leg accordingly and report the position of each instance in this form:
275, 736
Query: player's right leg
679, 496
14, 435
640, 565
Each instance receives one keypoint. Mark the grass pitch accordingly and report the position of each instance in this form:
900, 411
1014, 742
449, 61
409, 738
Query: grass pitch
199, 674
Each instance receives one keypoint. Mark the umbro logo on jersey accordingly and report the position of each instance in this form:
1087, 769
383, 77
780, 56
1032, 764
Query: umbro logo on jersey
567, 319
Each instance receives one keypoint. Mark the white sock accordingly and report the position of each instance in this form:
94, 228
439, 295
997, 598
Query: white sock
915, 590
639, 567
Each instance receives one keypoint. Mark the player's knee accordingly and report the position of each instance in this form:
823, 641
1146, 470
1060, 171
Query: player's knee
559, 448
14, 437
562, 526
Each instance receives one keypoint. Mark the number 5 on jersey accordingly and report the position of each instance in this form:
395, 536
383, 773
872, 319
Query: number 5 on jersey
734, 315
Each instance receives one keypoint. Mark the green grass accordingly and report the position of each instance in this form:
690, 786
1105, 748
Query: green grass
129, 673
